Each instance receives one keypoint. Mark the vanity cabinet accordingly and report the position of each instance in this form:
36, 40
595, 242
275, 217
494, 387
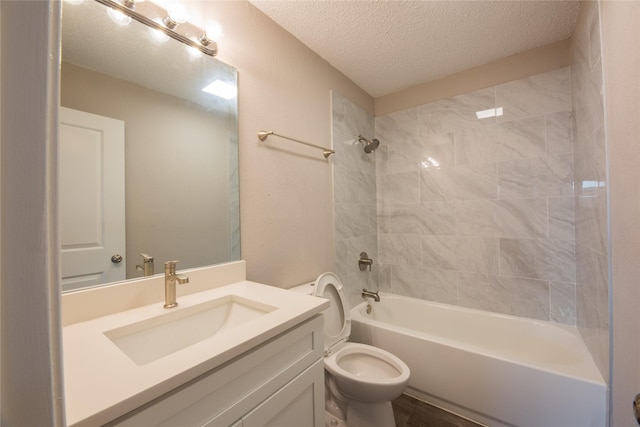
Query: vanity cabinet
278, 383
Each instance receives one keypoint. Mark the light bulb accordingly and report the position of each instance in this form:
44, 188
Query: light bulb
176, 14
118, 17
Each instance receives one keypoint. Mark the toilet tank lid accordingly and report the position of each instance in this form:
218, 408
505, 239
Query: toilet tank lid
305, 288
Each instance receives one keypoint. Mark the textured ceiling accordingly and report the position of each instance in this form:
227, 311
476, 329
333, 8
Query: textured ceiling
387, 46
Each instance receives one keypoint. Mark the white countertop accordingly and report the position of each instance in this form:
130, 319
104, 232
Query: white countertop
102, 383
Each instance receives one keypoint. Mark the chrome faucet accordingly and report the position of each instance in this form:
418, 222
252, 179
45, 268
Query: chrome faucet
370, 294
170, 279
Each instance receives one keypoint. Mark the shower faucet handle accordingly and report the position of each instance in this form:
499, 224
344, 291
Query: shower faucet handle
364, 261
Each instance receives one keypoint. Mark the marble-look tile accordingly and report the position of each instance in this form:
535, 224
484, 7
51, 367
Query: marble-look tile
398, 127
591, 221
470, 254
524, 218
399, 249
588, 109
538, 259
348, 252
382, 159
537, 95
383, 218
458, 113
437, 150
384, 277
459, 183
548, 176
519, 139
422, 218
352, 220
594, 36
591, 269
507, 295
404, 157
561, 218
559, 133
562, 297
399, 188
425, 283
352, 186
590, 163
355, 281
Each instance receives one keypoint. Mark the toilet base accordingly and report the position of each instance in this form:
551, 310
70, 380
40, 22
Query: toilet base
370, 414
331, 420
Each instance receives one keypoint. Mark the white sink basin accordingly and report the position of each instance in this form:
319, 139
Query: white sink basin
149, 340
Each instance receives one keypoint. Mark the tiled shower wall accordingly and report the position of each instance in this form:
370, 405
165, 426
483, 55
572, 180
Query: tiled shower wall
592, 297
479, 212
354, 187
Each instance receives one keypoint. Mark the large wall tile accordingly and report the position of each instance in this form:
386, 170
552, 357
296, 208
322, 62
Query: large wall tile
468, 254
561, 218
495, 197
559, 133
538, 259
502, 218
399, 249
507, 295
459, 183
549, 176
422, 218
425, 283
458, 112
535, 96
563, 303
400, 188
520, 139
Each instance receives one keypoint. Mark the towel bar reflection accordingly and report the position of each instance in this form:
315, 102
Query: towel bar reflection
326, 152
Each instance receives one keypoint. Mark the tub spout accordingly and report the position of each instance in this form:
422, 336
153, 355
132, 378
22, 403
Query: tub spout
370, 294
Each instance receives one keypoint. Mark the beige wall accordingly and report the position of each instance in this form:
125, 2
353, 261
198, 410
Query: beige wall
176, 168
286, 200
621, 63
514, 67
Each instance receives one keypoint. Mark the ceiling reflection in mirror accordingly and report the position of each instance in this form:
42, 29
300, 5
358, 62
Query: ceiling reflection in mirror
179, 158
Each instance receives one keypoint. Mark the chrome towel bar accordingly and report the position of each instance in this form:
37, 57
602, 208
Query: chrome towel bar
326, 152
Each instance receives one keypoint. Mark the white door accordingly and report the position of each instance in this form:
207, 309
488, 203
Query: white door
91, 197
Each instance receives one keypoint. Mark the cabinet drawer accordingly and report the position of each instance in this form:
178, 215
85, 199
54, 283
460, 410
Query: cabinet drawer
223, 395
300, 403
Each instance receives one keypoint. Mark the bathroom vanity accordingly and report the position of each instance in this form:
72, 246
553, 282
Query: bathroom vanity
232, 353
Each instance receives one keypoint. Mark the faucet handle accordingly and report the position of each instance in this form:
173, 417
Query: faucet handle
170, 266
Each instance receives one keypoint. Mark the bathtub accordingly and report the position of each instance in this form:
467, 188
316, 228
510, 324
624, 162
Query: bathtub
494, 369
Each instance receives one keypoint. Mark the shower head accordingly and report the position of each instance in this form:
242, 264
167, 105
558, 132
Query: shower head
369, 145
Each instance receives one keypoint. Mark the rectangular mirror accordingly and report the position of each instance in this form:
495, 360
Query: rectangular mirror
148, 161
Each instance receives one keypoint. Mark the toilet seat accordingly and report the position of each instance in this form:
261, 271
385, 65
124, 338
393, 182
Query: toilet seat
337, 318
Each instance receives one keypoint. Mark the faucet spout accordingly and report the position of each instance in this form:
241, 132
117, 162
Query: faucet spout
371, 294
170, 280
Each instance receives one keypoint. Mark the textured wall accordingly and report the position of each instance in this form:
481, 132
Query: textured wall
479, 212
592, 294
354, 194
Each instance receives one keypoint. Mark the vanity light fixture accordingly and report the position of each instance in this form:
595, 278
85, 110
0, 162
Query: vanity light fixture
167, 21
221, 89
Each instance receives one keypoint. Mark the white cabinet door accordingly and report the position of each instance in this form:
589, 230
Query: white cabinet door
91, 198
298, 404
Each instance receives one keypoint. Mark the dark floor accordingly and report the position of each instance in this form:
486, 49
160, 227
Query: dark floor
410, 412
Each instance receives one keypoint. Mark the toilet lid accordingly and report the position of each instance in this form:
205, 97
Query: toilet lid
337, 318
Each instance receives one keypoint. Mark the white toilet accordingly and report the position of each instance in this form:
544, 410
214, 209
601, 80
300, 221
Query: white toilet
360, 380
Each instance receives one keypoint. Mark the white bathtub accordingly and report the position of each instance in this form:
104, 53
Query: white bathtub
495, 369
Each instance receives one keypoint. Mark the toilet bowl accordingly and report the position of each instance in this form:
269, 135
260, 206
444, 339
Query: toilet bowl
361, 380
